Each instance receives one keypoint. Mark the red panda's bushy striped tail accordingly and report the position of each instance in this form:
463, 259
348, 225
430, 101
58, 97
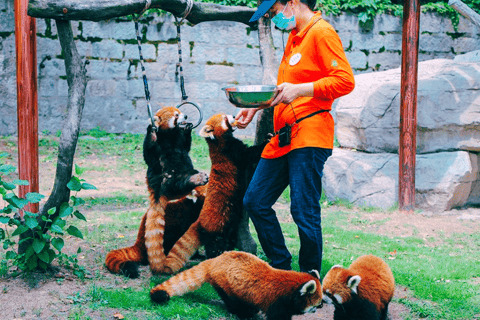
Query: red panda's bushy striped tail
186, 281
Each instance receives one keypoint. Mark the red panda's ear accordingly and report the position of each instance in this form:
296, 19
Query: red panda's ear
353, 283
207, 132
314, 273
308, 288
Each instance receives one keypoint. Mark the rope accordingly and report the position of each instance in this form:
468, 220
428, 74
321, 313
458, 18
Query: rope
144, 73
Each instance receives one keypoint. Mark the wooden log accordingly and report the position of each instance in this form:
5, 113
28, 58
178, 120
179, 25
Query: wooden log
408, 105
465, 11
27, 101
98, 10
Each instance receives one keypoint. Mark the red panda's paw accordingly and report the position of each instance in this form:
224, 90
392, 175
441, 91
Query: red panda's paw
199, 179
159, 296
172, 266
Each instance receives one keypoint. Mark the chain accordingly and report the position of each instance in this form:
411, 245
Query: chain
144, 73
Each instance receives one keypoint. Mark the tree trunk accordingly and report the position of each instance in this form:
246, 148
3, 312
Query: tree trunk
98, 10
77, 82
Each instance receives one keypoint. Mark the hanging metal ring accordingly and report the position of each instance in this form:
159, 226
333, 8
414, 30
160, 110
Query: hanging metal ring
200, 118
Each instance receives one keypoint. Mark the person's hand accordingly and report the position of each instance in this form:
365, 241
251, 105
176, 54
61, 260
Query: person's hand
286, 93
245, 116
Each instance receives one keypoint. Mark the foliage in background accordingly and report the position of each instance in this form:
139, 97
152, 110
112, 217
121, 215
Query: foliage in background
44, 233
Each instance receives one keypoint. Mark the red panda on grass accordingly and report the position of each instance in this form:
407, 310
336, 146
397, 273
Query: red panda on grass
247, 284
361, 292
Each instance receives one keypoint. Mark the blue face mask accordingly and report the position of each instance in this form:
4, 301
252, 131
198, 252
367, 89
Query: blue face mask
283, 22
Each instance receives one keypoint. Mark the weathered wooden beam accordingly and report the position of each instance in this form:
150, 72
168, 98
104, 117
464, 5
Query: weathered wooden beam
98, 10
465, 11
27, 101
408, 105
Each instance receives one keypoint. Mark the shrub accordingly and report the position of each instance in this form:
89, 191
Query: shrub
42, 235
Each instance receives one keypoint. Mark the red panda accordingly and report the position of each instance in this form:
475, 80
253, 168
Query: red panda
217, 225
179, 215
247, 284
170, 176
361, 292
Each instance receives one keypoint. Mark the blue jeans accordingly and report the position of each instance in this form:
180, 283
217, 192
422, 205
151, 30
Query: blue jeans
302, 169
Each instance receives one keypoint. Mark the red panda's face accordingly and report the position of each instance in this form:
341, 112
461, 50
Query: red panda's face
310, 296
338, 285
217, 126
169, 118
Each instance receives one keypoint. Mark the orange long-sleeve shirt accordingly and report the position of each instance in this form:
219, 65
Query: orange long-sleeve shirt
314, 54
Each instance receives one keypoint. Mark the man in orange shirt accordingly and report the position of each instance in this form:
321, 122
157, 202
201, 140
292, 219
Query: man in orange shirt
314, 71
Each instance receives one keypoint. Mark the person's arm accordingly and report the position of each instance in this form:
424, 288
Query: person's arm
339, 80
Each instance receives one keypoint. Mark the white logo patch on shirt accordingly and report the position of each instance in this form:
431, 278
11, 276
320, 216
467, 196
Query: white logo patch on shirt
295, 59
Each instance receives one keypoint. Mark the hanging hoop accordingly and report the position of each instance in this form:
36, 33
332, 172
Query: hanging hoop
200, 117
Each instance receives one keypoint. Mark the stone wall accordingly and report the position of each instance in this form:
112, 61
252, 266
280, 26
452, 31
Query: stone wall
215, 54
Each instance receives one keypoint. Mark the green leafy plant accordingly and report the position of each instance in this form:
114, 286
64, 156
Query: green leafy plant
42, 234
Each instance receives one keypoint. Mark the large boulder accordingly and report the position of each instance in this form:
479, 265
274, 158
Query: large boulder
443, 180
448, 109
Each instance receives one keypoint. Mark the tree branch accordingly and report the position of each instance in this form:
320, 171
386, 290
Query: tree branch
465, 11
267, 57
77, 83
98, 10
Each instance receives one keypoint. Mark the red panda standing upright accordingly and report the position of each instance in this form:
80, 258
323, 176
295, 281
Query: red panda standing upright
217, 225
170, 176
361, 292
247, 284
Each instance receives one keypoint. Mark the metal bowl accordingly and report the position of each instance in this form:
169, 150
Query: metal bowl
250, 96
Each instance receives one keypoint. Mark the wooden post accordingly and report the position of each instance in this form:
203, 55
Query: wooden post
27, 102
408, 105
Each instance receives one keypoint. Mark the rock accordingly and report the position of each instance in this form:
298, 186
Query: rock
443, 180
448, 109
473, 56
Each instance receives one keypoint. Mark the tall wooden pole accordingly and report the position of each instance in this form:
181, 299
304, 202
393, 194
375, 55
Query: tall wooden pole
27, 102
408, 105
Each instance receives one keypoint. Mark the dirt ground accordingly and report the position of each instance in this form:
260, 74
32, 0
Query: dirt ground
53, 295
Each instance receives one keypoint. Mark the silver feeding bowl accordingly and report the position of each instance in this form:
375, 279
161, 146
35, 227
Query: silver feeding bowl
250, 96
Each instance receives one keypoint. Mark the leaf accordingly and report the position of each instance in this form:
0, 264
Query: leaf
88, 186
42, 265
51, 255
8, 186
29, 252
56, 229
2, 234
77, 201
79, 170
52, 211
58, 243
74, 184
44, 256
34, 197
19, 182
118, 316
6, 168
65, 211
4, 219
32, 262
72, 230
10, 255
79, 215
20, 229
16, 201
38, 245
31, 222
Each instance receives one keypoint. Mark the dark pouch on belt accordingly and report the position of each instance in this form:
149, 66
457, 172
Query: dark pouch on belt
285, 136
